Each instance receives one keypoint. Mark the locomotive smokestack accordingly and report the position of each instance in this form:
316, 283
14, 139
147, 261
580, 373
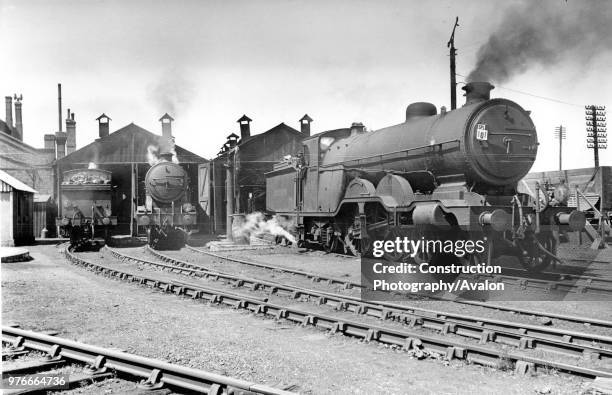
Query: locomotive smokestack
477, 91
356, 128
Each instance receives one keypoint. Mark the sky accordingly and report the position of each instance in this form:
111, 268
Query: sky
341, 61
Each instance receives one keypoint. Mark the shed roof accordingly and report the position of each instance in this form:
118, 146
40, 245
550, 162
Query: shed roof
280, 127
9, 182
129, 144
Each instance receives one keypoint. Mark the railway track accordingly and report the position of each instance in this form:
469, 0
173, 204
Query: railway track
351, 284
101, 363
406, 339
570, 343
409, 340
516, 277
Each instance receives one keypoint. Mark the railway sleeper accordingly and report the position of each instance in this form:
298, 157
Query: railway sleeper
590, 355
338, 327
524, 368
525, 342
454, 352
486, 336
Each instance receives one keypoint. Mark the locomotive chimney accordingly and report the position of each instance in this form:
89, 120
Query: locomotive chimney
166, 121
477, 91
9, 111
305, 125
245, 127
357, 127
103, 125
18, 118
70, 132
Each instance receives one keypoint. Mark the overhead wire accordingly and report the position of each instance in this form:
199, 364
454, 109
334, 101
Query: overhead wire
530, 94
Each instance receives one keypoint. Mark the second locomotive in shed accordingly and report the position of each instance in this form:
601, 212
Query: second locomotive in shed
85, 213
168, 215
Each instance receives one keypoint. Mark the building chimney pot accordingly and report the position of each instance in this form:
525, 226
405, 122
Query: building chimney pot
18, 117
166, 121
60, 143
103, 125
50, 142
245, 127
305, 124
9, 111
70, 132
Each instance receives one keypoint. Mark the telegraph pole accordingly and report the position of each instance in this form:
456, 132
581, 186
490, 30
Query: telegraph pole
560, 134
453, 77
596, 130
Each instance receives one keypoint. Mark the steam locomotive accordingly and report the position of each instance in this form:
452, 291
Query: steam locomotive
167, 215
85, 211
447, 176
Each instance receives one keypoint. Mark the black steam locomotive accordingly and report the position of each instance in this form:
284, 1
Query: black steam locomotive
167, 215
85, 211
447, 176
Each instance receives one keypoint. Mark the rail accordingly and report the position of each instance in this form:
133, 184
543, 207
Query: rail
154, 371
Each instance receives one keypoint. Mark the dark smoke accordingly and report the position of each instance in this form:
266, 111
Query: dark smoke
172, 93
544, 33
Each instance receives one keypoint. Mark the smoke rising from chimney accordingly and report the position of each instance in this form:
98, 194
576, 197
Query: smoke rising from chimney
544, 33
172, 93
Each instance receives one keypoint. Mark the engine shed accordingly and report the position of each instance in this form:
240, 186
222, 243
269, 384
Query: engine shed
245, 159
127, 154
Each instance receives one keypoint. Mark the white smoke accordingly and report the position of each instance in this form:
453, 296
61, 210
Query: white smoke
153, 155
255, 224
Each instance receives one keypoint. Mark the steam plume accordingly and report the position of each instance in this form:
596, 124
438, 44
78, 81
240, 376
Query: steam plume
172, 93
544, 33
153, 155
255, 224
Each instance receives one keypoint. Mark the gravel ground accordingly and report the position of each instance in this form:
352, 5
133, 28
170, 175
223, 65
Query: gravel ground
48, 293
347, 268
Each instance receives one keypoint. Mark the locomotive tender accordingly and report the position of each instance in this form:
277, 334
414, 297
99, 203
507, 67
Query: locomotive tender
447, 176
167, 214
86, 207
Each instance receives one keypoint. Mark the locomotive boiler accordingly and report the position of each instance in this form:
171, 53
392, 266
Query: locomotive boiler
447, 176
85, 212
167, 215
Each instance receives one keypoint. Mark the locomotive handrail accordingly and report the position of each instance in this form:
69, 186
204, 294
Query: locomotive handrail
381, 156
